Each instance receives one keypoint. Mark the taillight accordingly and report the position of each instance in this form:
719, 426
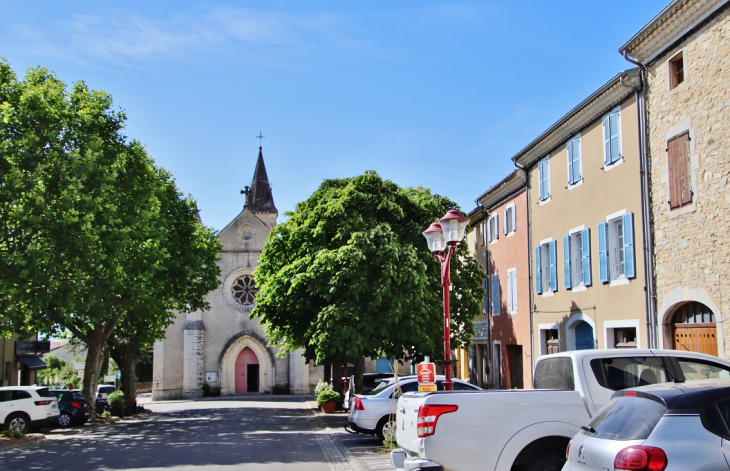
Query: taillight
101, 397
42, 403
641, 458
76, 404
428, 415
567, 450
358, 404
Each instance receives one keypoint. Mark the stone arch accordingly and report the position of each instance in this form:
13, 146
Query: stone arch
228, 357
574, 322
675, 300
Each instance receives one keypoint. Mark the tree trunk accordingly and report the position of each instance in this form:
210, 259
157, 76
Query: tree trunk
94, 344
359, 370
337, 383
327, 373
127, 356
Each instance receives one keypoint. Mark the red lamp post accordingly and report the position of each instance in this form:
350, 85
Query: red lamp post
443, 237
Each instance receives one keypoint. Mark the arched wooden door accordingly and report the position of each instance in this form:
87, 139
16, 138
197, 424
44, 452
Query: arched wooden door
694, 329
247, 371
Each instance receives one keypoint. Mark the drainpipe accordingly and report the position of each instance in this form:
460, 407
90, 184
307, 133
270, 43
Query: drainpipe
529, 270
646, 213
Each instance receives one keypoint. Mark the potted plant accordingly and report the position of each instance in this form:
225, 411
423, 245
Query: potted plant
327, 399
116, 403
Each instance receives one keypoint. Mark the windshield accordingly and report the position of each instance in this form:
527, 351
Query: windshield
626, 418
381, 386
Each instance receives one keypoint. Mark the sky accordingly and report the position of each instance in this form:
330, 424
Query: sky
425, 93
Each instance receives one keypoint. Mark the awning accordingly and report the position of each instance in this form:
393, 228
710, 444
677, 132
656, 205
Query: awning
33, 362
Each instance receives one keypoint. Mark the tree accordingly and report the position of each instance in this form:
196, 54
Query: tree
349, 275
57, 371
84, 221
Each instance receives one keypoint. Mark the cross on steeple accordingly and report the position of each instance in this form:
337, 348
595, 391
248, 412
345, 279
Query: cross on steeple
259, 137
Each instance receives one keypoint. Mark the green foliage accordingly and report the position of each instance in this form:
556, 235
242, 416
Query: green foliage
116, 399
349, 275
326, 396
57, 371
106, 414
12, 433
322, 386
93, 235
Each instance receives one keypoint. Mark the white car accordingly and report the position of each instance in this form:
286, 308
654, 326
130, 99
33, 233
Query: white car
374, 413
27, 407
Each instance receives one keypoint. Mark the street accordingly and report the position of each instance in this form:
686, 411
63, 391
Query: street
242, 433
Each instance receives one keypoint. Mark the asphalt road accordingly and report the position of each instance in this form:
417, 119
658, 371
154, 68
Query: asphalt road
243, 433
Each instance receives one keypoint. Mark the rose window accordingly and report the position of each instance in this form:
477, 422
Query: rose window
244, 290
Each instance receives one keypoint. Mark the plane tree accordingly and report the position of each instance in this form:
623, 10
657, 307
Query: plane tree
349, 276
84, 226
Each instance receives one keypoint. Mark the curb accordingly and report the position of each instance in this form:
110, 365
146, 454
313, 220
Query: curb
351, 460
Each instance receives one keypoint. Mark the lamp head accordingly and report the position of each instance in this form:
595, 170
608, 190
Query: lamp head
453, 225
435, 237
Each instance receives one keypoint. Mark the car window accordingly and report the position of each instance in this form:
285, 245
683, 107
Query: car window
405, 388
696, 369
107, 389
628, 372
716, 418
77, 395
6, 396
626, 418
59, 396
554, 373
21, 395
463, 387
44, 392
378, 388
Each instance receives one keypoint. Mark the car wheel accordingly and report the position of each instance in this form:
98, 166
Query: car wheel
548, 463
19, 422
386, 428
64, 420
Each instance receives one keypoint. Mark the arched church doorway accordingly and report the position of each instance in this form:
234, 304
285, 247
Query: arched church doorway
694, 329
247, 371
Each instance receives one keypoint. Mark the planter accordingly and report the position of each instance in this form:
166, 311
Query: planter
328, 407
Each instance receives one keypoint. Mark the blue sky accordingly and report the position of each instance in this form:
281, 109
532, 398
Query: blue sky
426, 93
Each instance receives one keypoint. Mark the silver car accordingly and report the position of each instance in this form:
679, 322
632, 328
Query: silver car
671, 426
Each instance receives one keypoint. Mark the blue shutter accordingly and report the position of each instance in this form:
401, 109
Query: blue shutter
615, 144
566, 262
543, 179
603, 251
576, 160
570, 163
586, 255
504, 223
489, 230
476, 237
606, 141
538, 274
553, 266
496, 226
629, 266
484, 300
514, 218
495, 294
512, 278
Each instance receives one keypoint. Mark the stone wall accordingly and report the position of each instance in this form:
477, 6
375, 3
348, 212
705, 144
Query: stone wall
692, 244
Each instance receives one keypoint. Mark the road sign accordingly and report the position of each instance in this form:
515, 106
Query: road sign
426, 387
426, 373
119, 375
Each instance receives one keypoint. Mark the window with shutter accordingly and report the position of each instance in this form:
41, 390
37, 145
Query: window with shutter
512, 291
611, 138
544, 169
574, 162
680, 192
495, 295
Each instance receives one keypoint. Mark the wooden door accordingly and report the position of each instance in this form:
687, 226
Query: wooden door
243, 382
700, 338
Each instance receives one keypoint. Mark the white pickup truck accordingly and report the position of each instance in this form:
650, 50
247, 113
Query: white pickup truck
529, 430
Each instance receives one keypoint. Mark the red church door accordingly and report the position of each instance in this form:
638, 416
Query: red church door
247, 371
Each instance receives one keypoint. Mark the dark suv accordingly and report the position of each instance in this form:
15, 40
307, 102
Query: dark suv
73, 407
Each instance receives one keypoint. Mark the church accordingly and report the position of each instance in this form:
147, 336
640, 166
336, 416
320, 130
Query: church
223, 347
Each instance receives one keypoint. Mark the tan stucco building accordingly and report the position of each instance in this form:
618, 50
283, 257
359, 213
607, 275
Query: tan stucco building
586, 225
685, 52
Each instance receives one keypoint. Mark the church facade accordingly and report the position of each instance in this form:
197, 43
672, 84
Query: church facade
223, 347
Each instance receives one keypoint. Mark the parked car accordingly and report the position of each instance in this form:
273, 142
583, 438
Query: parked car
73, 407
102, 391
374, 413
26, 408
670, 426
369, 382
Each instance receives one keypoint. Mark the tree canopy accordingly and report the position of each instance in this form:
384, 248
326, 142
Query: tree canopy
349, 275
91, 231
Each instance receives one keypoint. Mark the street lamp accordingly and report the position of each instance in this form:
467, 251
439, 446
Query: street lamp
443, 237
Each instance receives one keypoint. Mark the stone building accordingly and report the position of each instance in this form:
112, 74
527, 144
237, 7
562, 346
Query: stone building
223, 347
685, 55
